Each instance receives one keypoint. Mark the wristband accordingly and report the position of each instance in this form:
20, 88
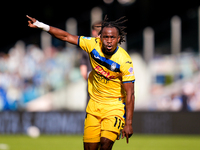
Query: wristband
42, 26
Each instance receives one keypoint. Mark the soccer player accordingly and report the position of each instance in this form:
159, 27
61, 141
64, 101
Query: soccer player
110, 83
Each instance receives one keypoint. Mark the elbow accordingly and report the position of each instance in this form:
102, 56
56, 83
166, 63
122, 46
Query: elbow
133, 96
130, 99
64, 38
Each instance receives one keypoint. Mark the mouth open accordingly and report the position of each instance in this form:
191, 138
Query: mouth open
109, 47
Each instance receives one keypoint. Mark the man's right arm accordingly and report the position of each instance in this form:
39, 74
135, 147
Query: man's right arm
58, 33
63, 35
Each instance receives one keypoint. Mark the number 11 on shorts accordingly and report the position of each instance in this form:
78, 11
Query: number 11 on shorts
118, 122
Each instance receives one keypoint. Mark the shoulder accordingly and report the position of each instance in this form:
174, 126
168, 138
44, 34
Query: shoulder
87, 43
124, 60
87, 39
123, 55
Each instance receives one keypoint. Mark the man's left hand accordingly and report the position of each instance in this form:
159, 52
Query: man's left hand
127, 132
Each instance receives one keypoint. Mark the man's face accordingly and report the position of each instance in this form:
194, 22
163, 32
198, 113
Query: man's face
109, 39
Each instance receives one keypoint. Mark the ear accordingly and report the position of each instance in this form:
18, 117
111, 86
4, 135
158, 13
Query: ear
100, 36
94, 33
118, 39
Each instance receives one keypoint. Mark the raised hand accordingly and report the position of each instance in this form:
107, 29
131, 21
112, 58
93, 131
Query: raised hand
31, 21
58, 33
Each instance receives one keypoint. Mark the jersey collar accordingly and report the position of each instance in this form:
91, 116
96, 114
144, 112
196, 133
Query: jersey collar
116, 49
113, 52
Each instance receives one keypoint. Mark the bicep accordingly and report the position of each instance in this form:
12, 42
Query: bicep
73, 39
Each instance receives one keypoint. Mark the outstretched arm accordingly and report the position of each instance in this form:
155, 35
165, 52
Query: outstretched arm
58, 33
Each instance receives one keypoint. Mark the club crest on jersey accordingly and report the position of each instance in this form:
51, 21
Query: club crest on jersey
113, 66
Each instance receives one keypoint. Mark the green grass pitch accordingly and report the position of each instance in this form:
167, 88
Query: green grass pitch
74, 142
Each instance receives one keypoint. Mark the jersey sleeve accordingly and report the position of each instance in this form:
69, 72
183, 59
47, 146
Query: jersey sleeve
127, 71
86, 43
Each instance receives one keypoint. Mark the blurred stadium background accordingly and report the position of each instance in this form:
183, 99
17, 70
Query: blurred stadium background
41, 84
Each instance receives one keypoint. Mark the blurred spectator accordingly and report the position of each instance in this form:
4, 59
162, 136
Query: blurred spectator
28, 73
180, 92
188, 98
171, 103
85, 66
191, 94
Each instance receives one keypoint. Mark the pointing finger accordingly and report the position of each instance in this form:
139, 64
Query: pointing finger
28, 17
32, 19
127, 138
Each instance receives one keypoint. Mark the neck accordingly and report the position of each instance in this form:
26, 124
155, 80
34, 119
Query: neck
109, 53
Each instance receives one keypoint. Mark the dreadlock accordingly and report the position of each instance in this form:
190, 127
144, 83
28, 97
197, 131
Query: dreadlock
117, 24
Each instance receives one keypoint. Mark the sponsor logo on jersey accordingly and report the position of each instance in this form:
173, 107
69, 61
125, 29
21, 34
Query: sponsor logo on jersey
129, 62
100, 70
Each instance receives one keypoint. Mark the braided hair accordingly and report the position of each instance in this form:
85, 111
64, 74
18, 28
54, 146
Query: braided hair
117, 24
